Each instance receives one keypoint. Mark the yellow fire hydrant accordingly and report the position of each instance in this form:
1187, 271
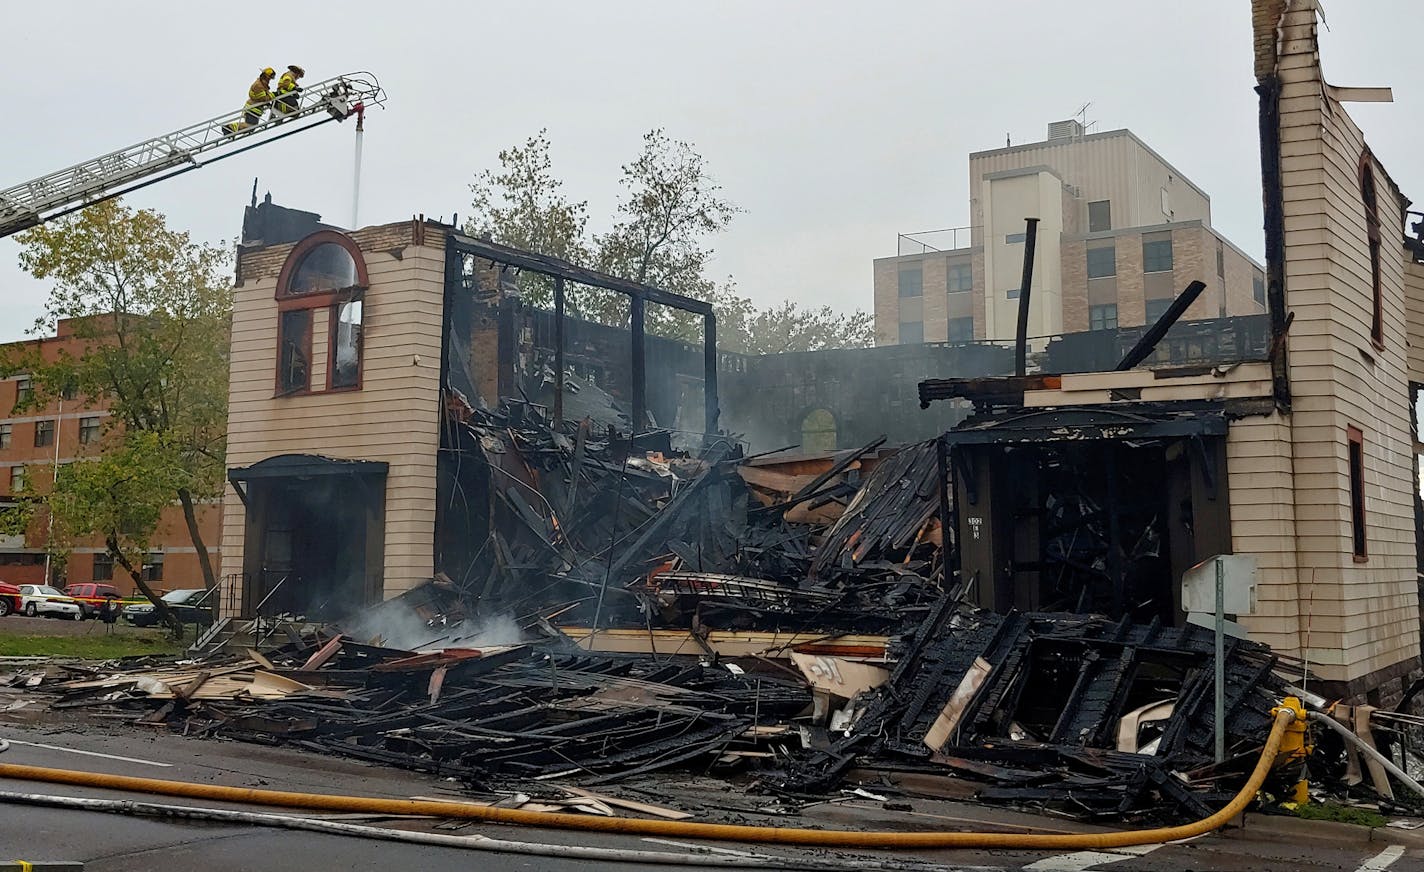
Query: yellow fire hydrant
1294, 746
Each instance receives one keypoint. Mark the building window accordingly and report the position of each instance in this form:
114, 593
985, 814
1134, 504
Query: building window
5, 430
1102, 262
1102, 317
912, 332
960, 277
294, 356
324, 271
1015, 238
152, 566
1012, 293
912, 281
44, 433
818, 432
345, 365
1220, 260
1357, 492
103, 566
1157, 256
1372, 230
1157, 308
1099, 216
17, 479
24, 389
1258, 290
89, 430
961, 329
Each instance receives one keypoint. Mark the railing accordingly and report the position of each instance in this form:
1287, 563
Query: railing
926, 241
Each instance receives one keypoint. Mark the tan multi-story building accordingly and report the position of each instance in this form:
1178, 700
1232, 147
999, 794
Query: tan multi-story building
1120, 233
32, 442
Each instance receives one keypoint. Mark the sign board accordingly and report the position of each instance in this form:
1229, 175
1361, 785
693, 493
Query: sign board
1238, 585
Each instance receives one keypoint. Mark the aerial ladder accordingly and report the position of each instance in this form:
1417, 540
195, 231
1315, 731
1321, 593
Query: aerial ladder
119, 172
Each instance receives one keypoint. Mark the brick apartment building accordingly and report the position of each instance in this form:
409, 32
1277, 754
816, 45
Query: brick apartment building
1121, 231
32, 442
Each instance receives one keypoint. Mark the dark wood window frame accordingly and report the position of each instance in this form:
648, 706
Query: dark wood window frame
332, 322
288, 300
1369, 196
1359, 523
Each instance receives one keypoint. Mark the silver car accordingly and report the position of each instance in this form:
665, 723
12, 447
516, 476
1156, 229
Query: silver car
49, 602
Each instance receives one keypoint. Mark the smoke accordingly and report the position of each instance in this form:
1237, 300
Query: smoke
399, 626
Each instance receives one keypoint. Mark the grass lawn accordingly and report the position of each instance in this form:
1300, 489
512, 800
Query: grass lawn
94, 646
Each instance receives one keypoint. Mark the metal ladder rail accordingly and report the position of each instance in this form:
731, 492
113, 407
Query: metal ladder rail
35, 201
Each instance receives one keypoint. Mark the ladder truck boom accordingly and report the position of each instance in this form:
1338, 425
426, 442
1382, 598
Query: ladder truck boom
31, 203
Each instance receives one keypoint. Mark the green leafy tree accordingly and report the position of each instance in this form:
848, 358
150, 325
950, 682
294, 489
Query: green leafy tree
522, 205
670, 210
151, 309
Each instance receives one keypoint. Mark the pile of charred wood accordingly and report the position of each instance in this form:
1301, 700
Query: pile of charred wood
596, 529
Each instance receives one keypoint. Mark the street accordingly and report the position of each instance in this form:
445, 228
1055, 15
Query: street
115, 843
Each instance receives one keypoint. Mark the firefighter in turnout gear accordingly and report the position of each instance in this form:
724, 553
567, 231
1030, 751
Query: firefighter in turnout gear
288, 91
259, 97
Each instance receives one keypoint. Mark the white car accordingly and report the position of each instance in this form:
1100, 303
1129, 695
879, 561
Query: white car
41, 599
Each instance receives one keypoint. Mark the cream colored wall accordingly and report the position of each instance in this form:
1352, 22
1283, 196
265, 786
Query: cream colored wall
1362, 617
1008, 201
1113, 165
392, 418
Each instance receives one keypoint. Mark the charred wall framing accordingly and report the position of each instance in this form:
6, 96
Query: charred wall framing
461, 280
1087, 509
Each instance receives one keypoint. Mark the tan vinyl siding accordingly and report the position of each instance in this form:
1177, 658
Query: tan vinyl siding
1356, 617
393, 417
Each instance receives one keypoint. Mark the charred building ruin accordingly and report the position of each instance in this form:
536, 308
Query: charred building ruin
1082, 484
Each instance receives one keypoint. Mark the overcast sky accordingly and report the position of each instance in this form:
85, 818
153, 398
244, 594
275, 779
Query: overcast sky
834, 125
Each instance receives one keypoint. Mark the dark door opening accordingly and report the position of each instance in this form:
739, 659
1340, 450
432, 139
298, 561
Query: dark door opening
1059, 516
314, 539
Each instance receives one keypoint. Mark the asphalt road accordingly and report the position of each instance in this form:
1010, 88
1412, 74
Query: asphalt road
116, 843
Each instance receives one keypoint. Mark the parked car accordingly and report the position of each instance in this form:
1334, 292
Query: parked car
192, 606
51, 602
9, 599
92, 597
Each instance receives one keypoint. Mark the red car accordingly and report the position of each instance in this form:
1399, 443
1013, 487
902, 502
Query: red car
9, 599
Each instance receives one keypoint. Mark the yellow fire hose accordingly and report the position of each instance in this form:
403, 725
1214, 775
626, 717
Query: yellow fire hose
1285, 715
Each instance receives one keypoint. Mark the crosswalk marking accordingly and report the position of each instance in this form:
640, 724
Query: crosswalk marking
1383, 860
1082, 861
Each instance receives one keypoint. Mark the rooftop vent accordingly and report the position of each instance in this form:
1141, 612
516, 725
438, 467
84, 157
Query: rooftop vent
1063, 130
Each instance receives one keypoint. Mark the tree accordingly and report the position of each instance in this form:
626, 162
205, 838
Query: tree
523, 206
151, 308
670, 205
670, 209
788, 327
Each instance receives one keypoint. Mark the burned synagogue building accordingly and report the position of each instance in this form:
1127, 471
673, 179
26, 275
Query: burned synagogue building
399, 413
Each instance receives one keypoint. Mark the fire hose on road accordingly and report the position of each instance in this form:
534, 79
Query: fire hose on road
1288, 726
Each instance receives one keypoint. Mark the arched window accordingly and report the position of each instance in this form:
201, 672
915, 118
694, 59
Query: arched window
818, 432
1372, 227
325, 271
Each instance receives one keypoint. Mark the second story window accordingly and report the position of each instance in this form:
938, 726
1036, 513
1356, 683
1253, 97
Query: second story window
960, 277
1157, 256
912, 280
345, 365
1102, 262
17, 479
89, 430
294, 351
324, 273
44, 433
5, 430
